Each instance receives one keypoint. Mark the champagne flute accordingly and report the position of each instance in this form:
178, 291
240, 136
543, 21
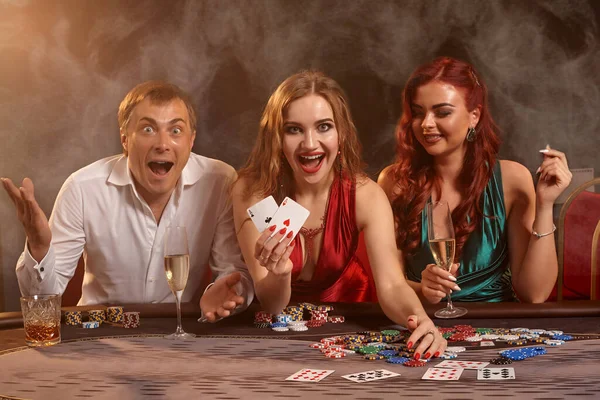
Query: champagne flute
177, 267
440, 232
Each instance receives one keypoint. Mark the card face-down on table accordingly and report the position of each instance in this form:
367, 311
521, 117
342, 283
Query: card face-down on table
291, 216
262, 212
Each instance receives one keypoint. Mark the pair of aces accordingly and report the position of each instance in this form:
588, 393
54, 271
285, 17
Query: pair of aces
289, 215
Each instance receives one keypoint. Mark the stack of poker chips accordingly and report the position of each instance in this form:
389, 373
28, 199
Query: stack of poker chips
335, 319
73, 317
97, 315
131, 319
114, 314
295, 312
262, 319
317, 318
90, 324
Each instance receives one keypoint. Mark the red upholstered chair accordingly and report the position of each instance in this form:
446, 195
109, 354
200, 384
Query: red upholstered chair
578, 244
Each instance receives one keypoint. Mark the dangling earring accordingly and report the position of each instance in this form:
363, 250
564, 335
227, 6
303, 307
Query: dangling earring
471, 134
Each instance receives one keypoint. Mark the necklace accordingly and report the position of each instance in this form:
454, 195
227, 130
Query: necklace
310, 234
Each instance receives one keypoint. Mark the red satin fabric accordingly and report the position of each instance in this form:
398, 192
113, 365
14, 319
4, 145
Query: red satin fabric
339, 274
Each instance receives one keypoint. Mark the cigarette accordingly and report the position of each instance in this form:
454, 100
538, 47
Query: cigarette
546, 149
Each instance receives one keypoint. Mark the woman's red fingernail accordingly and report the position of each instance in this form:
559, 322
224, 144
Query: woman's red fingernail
436, 354
289, 235
427, 355
283, 231
273, 228
417, 356
409, 345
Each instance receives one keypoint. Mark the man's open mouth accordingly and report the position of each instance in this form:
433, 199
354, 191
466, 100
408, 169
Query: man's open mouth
160, 167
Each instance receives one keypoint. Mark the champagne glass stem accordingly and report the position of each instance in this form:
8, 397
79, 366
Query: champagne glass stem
178, 294
449, 306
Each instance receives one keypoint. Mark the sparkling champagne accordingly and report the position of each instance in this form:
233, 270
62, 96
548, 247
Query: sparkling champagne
177, 268
443, 252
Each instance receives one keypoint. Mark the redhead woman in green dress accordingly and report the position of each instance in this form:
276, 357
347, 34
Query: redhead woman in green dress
447, 148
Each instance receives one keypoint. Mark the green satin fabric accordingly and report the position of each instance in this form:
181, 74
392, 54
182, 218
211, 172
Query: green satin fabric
484, 273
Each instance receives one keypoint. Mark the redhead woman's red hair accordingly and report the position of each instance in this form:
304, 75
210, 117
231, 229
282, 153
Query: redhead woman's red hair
413, 171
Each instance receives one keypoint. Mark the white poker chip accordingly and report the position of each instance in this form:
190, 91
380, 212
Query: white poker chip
348, 351
529, 336
519, 330
475, 338
554, 342
506, 338
281, 329
296, 323
448, 356
297, 328
377, 344
455, 349
490, 336
537, 331
554, 333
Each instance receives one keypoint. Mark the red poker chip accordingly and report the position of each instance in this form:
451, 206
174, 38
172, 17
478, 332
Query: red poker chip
335, 354
415, 363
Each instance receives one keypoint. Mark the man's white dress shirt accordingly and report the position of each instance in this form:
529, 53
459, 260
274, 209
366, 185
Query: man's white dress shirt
98, 213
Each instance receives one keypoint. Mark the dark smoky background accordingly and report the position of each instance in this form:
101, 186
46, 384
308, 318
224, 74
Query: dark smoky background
66, 65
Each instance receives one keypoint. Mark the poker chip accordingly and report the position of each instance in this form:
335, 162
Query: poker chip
97, 315
262, 324
390, 332
519, 342
73, 317
297, 328
554, 333
489, 336
114, 314
335, 354
317, 345
388, 353
373, 357
562, 337
475, 338
280, 328
448, 356
397, 360
90, 324
500, 361
414, 363
131, 319
278, 325
455, 349
369, 350
335, 319
550, 342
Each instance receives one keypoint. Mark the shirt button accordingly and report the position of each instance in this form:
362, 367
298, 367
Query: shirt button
41, 269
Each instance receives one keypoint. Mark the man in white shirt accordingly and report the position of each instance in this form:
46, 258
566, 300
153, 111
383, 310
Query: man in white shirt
116, 210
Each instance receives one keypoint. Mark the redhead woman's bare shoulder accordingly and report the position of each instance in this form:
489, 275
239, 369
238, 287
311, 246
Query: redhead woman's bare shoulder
515, 175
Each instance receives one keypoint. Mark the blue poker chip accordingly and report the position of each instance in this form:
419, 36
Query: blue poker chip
562, 337
278, 325
388, 353
397, 360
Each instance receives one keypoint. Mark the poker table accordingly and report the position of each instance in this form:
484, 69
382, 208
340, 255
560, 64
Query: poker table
232, 359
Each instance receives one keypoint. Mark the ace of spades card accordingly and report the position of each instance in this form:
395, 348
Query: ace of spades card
291, 216
310, 375
372, 375
495, 374
262, 212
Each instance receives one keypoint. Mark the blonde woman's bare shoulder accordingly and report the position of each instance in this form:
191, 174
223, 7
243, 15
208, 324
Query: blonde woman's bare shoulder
387, 181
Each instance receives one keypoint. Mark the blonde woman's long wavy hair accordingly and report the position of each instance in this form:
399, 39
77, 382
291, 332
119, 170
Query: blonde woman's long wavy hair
267, 172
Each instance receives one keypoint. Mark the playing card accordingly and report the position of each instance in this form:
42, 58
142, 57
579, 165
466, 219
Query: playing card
443, 374
291, 216
495, 374
310, 375
262, 212
462, 364
372, 375
487, 343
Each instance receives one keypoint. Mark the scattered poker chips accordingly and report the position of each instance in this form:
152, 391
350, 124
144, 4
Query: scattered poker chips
448, 356
374, 357
73, 317
131, 319
335, 319
97, 315
114, 314
90, 324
